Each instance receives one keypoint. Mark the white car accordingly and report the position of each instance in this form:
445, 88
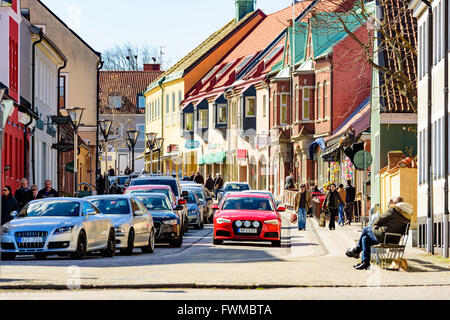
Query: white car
57, 226
132, 222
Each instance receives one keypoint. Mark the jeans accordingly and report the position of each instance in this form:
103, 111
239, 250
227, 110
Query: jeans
365, 242
333, 214
301, 218
341, 214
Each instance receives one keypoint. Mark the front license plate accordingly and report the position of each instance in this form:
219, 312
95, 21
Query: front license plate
30, 240
247, 230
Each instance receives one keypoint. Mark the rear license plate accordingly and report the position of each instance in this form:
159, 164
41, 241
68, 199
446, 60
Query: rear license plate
30, 240
247, 230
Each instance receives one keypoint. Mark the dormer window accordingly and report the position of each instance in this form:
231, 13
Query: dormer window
224, 70
115, 101
189, 121
250, 110
222, 114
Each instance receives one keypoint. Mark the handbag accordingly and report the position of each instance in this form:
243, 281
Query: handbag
322, 219
293, 218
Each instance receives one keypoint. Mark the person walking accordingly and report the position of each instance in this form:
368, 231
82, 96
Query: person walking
127, 171
289, 183
100, 185
34, 192
48, 191
191, 178
303, 201
9, 204
209, 183
111, 171
342, 194
218, 184
23, 194
349, 201
331, 203
394, 220
199, 178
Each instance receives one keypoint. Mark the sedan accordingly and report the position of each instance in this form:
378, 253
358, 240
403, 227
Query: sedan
58, 226
167, 222
204, 198
132, 222
232, 187
247, 217
194, 212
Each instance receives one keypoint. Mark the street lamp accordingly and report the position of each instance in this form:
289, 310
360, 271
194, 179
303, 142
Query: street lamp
151, 137
158, 143
129, 151
75, 115
105, 128
132, 139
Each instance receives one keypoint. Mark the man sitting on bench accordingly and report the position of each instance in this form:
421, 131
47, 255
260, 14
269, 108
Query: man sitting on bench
394, 220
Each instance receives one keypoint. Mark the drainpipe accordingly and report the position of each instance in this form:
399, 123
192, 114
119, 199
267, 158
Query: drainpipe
99, 67
446, 146
58, 164
33, 104
160, 84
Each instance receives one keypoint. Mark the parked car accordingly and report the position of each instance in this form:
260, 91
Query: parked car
195, 215
168, 226
247, 217
132, 222
232, 187
58, 226
205, 200
168, 180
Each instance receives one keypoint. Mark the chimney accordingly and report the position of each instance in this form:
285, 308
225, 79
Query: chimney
394, 157
152, 67
244, 7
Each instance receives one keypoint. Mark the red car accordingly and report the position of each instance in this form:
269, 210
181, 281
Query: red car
247, 217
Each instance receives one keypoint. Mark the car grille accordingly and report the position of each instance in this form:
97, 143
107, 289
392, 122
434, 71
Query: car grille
235, 229
31, 245
157, 225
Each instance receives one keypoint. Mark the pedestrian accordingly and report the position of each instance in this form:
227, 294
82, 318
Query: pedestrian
218, 184
111, 172
303, 201
9, 204
289, 183
100, 185
34, 192
48, 191
349, 201
127, 171
331, 203
342, 193
209, 184
199, 178
23, 194
394, 220
185, 177
191, 178
115, 188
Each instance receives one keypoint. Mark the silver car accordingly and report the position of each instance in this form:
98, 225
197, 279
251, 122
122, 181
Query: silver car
57, 226
132, 222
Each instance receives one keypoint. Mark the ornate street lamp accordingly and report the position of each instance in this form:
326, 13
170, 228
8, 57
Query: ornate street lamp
158, 144
151, 137
105, 128
129, 151
132, 138
75, 115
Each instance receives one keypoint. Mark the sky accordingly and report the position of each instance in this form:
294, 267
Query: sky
176, 25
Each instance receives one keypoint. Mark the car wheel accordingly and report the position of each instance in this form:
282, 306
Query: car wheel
150, 248
176, 243
7, 256
130, 244
111, 247
81, 247
217, 242
41, 255
276, 243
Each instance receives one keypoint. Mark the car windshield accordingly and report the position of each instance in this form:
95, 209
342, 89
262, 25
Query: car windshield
165, 182
199, 194
51, 209
155, 203
237, 187
190, 198
122, 180
164, 191
112, 206
239, 203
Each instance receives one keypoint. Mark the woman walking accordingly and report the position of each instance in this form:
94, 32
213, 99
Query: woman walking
303, 201
331, 202
9, 204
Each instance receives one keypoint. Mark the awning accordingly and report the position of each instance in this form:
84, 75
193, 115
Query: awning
313, 147
213, 158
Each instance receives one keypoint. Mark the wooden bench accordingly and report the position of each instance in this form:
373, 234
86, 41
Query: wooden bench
384, 253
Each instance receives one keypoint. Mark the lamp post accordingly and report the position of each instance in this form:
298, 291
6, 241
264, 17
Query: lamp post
132, 139
158, 143
151, 137
129, 151
75, 115
105, 128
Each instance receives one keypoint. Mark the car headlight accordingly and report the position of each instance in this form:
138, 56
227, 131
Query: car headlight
64, 229
274, 222
120, 230
4, 230
170, 221
222, 220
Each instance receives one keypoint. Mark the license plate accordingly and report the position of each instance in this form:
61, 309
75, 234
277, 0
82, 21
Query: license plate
247, 230
30, 240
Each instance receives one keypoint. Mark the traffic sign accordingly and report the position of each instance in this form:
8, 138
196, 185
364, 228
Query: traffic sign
362, 160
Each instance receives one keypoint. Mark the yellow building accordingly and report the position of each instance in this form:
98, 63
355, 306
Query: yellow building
164, 95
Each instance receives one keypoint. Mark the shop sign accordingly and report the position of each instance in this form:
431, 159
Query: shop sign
192, 144
242, 154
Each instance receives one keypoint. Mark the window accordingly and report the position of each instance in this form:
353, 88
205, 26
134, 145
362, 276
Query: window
141, 129
283, 109
250, 110
319, 111
264, 106
180, 98
222, 113
203, 115
189, 121
141, 101
325, 99
305, 113
234, 112
62, 92
210, 73
223, 70
115, 102
159, 108
435, 35
173, 101
167, 103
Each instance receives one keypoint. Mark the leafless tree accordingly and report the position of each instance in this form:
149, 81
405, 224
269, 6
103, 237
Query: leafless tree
129, 57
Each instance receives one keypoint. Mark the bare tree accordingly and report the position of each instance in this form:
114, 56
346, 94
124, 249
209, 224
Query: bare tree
129, 57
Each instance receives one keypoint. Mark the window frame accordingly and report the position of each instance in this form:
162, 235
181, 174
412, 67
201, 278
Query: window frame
303, 104
283, 106
219, 107
186, 115
247, 100
201, 118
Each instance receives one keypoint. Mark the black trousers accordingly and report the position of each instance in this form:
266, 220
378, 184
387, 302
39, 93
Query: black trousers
333, 215
348, 209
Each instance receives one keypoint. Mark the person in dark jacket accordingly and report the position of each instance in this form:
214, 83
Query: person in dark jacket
111, 172
199, 178
34, 192
48, 191
218, 184
100, 185
191, 178
209, 183
349, 202
23, 195
9, 204
289, 183
331, 203
394, 220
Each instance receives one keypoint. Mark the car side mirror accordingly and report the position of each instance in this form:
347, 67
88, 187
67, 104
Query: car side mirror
90, 212
215, 207
138, 213
14, 214
184, 193
281, 209
179, 208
